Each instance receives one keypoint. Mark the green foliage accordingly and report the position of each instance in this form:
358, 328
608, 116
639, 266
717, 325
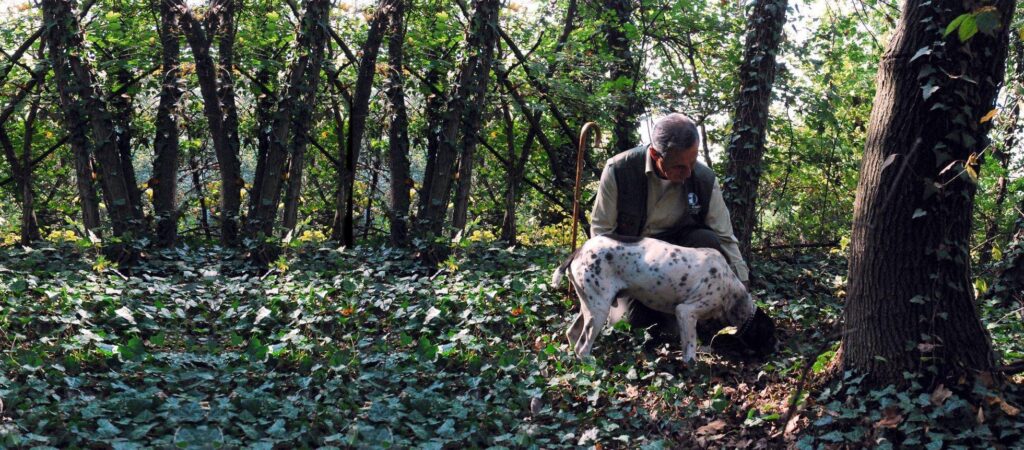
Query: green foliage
367, 348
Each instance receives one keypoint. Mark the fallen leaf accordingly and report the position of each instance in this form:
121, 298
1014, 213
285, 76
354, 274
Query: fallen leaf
989, 116
981, 415
940, 395
791, 426
891, 420
712, 428
1007, 408
261, 314
125, 314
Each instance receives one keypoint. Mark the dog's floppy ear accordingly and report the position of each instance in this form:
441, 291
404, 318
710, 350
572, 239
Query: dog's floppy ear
739, 313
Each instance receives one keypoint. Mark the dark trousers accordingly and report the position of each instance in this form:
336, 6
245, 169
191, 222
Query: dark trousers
665, 325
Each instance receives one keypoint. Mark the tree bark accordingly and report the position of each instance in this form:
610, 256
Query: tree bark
462, 115
165, 144
515, 168
121, 116
623, 75
398, 132
291, 119
200, 40
434, 113
474, 116
76, 84
264, 124
750, 123
343, 220
910, 304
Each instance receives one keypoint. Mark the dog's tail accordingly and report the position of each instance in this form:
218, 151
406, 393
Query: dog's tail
556, 278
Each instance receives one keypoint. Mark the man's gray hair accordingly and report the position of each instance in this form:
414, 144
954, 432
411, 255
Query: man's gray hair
674, 132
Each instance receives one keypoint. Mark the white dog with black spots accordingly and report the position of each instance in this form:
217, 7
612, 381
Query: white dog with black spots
693, 284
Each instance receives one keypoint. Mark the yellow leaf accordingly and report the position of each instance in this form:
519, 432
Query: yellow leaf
989, 116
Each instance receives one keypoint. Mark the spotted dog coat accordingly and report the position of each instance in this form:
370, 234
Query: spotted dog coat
691, 283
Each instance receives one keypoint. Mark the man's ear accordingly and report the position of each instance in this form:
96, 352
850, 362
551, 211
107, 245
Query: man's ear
651, 151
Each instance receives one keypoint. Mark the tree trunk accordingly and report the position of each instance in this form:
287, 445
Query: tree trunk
76, 84
462, 114
470, 135
750, 122
434, 113
910, 304
122, 120
165, 144
623, 75
29, 224
358, 112
264, 122
515, 168
200, 40
398, 132
291, 119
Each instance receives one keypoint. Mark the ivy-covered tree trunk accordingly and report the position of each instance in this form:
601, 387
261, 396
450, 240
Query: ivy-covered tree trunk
750, 121
291, 119
624, 74
398, 131
200, 39
164, 181
343, 219
471, 123
75, 82
462, 113
910, 302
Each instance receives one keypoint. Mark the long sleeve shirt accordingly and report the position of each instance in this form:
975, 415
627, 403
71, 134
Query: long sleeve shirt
663, 213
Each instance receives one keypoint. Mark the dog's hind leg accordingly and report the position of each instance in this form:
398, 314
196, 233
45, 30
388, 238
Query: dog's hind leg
575, 330
597, 308
686, 316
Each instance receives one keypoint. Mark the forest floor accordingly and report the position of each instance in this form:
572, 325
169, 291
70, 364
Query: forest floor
365, 348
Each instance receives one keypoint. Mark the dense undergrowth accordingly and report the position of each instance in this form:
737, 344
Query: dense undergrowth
365, 348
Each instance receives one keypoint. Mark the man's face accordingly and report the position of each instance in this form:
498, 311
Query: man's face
677, 165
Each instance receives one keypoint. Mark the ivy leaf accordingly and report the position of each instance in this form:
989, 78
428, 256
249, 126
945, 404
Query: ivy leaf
955, 23
125, 314
987, 20
919, 213
968, 28
928, 89
921, 52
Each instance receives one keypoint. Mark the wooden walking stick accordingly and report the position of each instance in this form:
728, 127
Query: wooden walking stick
584, 134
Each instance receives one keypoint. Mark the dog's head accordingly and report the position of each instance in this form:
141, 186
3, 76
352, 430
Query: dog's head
758, 333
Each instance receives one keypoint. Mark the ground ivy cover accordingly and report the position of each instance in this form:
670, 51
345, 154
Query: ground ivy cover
340, 348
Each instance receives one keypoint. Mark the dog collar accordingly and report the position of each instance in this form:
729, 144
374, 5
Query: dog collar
750, 319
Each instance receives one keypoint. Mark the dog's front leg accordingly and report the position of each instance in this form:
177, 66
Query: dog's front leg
687, 318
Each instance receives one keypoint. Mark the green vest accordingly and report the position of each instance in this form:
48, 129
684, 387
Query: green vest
629, 169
